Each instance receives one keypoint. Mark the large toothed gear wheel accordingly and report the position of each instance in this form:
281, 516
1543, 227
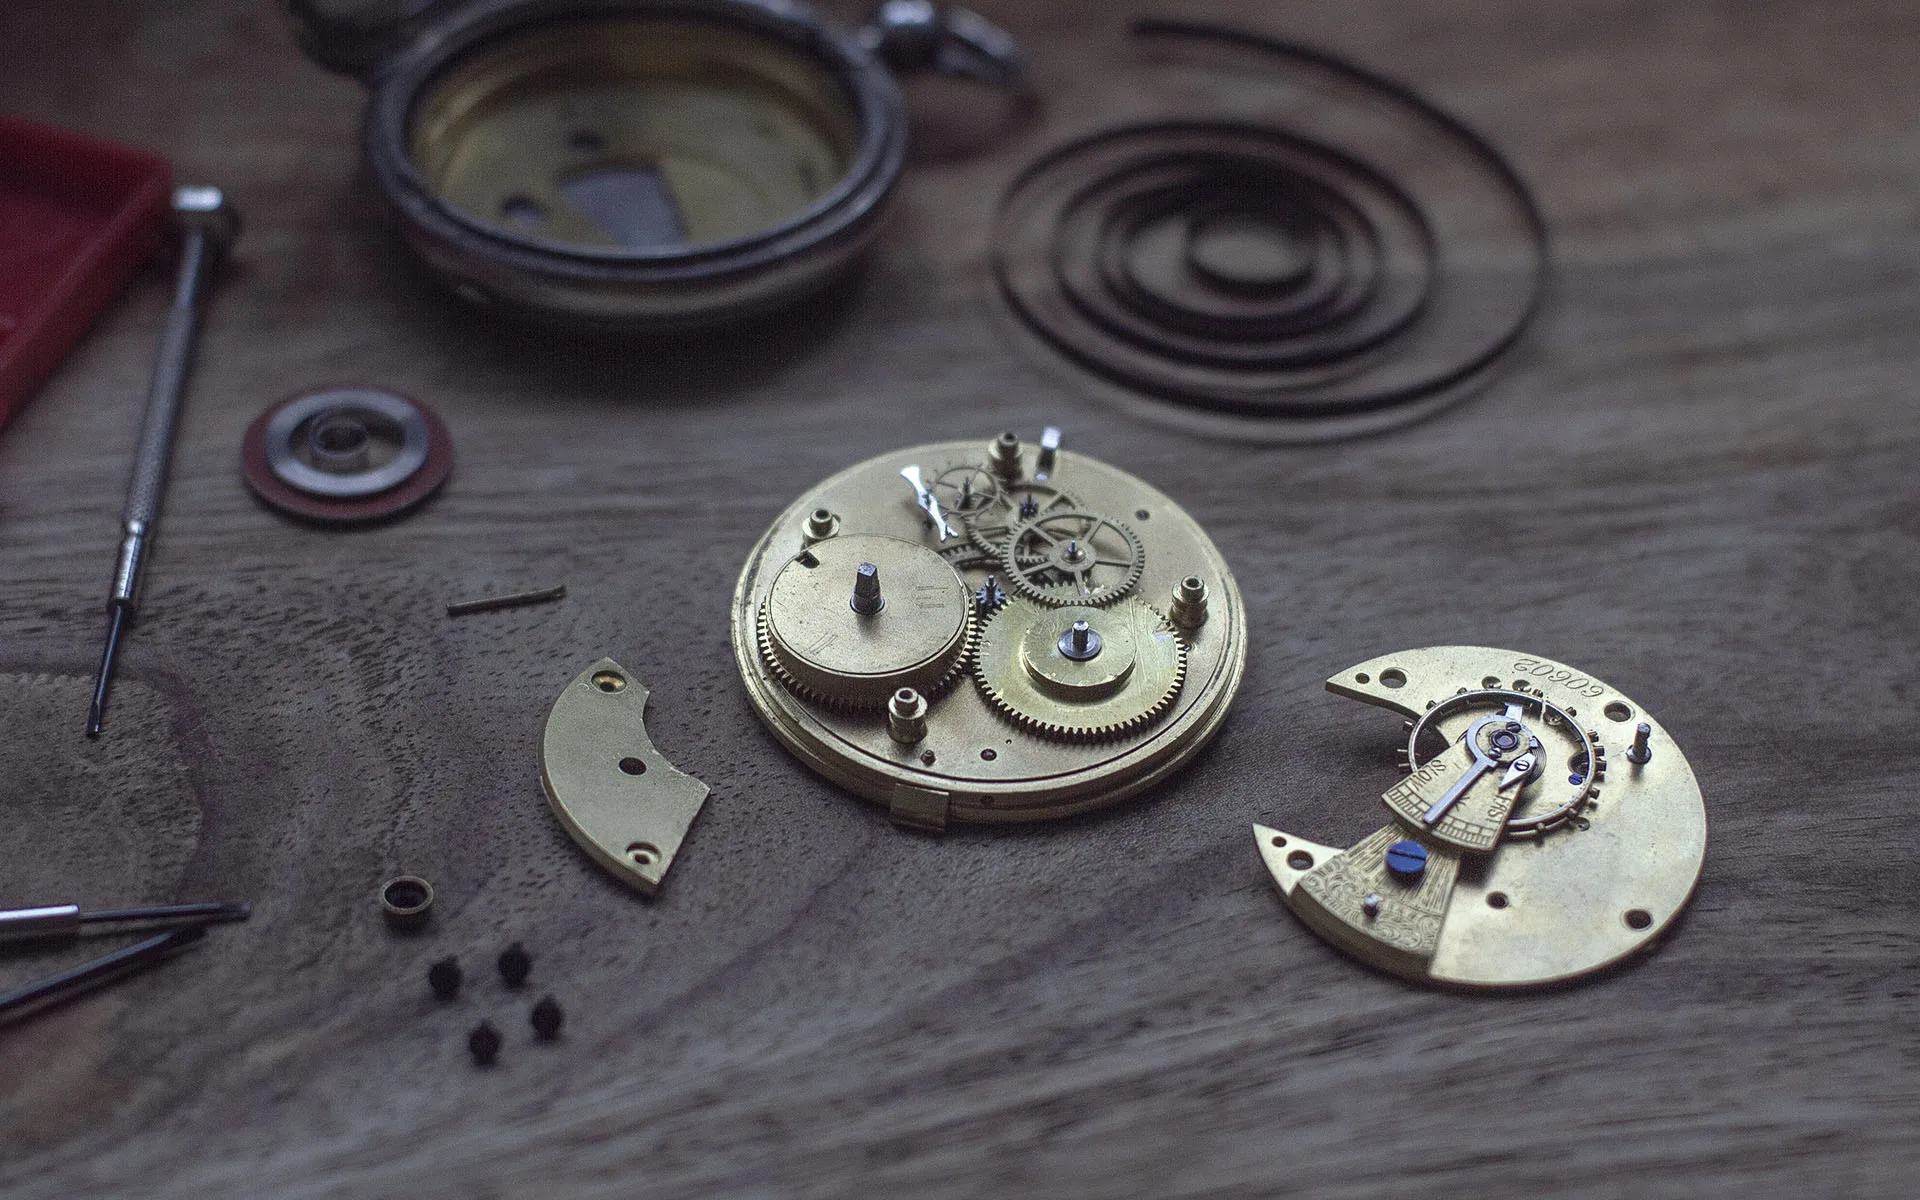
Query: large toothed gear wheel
1072, 556
836, 695
920, 633
963, 556
1078, 672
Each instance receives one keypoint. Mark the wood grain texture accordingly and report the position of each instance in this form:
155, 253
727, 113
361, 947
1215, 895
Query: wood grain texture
1707, 446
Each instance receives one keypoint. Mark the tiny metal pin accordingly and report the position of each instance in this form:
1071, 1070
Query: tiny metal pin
460, 608
217, 910
1641, 752
1080, 643
866, 599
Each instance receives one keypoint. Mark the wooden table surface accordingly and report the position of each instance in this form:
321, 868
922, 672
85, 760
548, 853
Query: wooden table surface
1706, 446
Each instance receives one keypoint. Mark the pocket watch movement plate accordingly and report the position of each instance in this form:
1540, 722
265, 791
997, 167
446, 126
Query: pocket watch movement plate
1545, 828
989, 632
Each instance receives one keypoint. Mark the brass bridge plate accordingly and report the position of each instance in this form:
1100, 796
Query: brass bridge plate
1539, 835
618, 797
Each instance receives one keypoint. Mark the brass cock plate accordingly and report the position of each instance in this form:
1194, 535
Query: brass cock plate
1546, 826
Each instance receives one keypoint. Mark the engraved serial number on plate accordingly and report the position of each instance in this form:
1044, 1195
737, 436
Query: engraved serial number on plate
1578, 684
1420, 778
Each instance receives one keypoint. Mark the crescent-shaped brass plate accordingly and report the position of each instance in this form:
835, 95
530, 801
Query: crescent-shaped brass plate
616, 795
1576, 896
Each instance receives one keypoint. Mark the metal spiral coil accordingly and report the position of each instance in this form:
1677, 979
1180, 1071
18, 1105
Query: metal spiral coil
1264, 271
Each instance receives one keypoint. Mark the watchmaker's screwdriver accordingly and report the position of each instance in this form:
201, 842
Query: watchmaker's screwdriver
97, 973
65, 920
209, 225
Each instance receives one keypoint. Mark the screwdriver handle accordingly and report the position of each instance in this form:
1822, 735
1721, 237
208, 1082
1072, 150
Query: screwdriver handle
25, 924
157, 426
209, 225
169, 382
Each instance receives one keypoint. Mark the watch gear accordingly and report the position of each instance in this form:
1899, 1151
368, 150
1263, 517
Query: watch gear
965, 489
828, 632
1072, 556
990, 527
965, 556
1079, 672
990, 595
1500, 867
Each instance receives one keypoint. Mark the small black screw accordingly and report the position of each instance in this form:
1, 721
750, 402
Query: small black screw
444, 978
546, 1019
515, 963
484, 1044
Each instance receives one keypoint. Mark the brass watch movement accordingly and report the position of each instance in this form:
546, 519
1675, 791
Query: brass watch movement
1546, 826
989, 631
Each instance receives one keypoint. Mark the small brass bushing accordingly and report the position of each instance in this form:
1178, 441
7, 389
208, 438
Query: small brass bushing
407, 902
1189, 603
907, 716
821, 525
1003, 455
